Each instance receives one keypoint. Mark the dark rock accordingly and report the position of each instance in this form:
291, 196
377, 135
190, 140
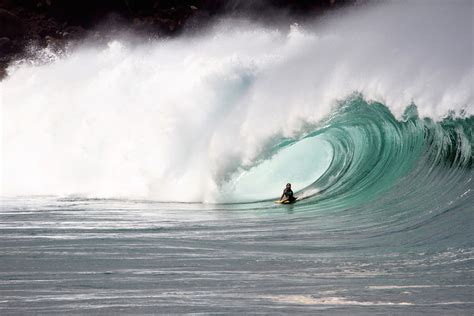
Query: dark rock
10, 25
5, 45
4, 41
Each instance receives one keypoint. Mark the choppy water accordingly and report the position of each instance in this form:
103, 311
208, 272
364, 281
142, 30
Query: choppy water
103, 256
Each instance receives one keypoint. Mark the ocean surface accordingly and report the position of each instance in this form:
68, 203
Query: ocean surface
140, 178
75, 256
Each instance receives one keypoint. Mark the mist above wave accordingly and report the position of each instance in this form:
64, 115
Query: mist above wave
174, 119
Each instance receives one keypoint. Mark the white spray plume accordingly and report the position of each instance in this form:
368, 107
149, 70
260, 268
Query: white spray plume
168, 120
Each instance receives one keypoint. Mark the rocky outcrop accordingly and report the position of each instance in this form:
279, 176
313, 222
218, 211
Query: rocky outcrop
10, 24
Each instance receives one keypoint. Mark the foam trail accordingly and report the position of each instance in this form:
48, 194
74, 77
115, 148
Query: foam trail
173, 120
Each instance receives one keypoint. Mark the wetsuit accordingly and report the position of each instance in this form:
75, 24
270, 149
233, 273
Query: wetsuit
288, 193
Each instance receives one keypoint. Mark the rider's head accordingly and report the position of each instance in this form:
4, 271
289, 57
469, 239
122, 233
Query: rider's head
288, 185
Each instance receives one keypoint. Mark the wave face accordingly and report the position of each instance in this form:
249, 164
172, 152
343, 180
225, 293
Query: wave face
234, 114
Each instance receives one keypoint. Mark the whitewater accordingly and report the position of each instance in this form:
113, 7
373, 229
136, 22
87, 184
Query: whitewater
139, 176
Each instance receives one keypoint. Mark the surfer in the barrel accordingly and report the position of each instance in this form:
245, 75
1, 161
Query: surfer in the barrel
287, 194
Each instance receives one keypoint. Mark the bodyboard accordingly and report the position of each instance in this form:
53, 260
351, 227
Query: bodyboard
286, 201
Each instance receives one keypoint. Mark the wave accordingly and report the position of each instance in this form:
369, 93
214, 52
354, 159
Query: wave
234, 114
361, 151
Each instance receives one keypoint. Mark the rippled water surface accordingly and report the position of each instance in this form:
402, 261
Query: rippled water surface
110, 256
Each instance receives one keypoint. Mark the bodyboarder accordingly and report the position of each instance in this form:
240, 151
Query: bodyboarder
287, 194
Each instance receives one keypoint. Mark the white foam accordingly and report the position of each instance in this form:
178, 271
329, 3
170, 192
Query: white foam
169, 120
391, 287
330, 300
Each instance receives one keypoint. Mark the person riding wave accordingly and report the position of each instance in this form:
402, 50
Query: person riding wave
287, 194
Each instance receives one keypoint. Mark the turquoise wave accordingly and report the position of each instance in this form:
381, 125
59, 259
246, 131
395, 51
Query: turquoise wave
408, 181
375, 154
388, 177
361, 151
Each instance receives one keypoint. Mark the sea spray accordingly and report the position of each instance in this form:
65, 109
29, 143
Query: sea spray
178, 119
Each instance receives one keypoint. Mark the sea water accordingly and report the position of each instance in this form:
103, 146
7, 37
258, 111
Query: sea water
141, 178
